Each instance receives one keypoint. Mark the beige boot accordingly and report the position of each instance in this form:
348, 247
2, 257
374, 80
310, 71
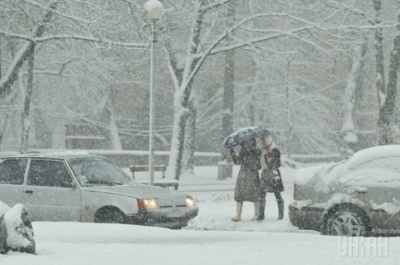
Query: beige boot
256, 210
239, 207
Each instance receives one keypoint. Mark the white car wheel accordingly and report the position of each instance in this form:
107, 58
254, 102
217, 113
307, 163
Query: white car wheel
110, 216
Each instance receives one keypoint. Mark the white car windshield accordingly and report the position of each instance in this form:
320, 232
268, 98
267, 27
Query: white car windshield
93, 171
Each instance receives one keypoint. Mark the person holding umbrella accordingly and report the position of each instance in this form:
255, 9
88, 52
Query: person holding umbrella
248, 180
271, 180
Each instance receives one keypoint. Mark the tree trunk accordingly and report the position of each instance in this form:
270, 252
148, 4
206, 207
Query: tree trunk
183, 83
289, 111
178, 142
354, 83
386, 95
3, 118
42, 131
190, 139
385, 132
27, 104
254, 112
228, 97
115, 139
108, 118
3, 126
6, 100
0, 63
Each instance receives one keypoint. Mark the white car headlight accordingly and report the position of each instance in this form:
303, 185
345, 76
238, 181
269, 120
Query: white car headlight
190, 202
147, 204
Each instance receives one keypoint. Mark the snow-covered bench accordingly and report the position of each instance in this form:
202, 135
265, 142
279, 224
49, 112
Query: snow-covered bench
164, 183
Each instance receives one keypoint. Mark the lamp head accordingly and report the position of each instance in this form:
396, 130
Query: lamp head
153, 10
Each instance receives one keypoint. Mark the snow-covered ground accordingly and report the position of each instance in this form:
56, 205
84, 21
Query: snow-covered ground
211, 238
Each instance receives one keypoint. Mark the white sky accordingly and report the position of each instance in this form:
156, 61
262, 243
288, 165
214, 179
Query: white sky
211, 238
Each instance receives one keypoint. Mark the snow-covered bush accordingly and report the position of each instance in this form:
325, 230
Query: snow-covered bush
16, 232
3, 234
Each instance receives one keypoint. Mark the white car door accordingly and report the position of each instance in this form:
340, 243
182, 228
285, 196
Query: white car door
50, 193
12, 172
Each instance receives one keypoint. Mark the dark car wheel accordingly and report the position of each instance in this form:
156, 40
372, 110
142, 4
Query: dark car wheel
110, 216
347, 220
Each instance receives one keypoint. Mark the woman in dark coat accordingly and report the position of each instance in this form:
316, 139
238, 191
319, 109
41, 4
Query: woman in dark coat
248, 180
271, 180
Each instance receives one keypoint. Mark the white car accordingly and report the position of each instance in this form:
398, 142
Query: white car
73, 186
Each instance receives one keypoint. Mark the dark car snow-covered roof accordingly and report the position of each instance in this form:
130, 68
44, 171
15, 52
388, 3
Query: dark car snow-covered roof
373, 153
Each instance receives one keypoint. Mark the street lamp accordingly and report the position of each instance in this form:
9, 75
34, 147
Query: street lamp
153, 13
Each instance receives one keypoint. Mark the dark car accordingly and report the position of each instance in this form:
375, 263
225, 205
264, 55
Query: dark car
357, 197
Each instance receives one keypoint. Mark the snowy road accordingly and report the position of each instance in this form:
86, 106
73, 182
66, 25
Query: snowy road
61, 243
247, 242
211, 238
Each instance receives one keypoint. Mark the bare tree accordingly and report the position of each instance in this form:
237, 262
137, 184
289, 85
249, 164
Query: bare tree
199, 48
46, 32
353, 85
386, 93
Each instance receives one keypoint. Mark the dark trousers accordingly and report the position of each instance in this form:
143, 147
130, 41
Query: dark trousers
262, 195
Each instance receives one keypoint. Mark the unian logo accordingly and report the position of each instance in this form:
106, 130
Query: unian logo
363, 247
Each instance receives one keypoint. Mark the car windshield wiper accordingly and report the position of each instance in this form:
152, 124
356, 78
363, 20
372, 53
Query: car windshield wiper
103, 182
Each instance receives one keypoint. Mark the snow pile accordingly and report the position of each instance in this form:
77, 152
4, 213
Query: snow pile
16, 232
373, 153
372, 167
3, 235
336, 199
300, 204
245, 134
373, 177
339, 198
391, 208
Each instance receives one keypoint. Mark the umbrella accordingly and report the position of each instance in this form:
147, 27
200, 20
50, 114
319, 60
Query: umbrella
244, 134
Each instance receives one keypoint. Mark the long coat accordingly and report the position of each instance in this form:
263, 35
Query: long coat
271, 179
248, 180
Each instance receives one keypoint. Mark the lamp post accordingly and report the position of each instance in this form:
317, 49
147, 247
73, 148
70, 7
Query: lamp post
153, 13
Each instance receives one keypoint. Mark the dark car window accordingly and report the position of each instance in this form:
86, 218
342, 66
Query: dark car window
49, 173
12, 171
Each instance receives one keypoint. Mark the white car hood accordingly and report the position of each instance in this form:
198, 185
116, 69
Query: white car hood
135, 191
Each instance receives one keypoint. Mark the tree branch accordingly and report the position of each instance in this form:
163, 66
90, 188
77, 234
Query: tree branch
90, 39
257, 40
24, 53
49, 9
214, 5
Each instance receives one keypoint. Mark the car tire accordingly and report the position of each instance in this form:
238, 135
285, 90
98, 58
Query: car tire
110, 216
347, 220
